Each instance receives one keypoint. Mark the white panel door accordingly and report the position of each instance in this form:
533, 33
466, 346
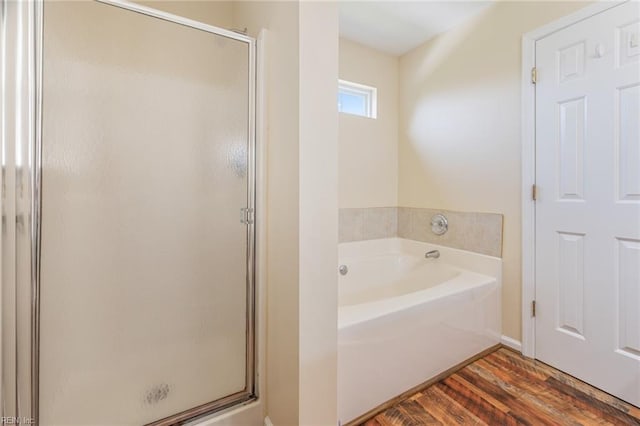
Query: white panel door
588, 207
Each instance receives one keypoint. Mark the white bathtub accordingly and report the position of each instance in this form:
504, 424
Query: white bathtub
403, 319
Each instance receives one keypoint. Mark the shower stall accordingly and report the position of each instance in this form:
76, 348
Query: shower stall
128, 200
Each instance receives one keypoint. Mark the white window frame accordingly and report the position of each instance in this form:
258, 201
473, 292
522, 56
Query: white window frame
369, 93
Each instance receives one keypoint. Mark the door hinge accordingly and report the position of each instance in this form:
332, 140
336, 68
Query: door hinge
534, 192
246, 216
534, 75
533, 308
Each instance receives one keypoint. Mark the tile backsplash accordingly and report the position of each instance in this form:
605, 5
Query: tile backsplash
477, 232
368, 223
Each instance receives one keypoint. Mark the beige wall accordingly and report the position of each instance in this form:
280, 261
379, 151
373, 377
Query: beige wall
460, 125
318, 214
369, 147
217, 13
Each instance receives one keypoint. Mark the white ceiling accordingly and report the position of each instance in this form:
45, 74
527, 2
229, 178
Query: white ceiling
398, 26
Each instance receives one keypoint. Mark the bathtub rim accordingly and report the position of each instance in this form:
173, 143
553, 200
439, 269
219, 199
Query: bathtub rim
463, 259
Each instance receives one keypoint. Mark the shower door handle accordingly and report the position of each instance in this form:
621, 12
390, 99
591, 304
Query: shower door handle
246, 215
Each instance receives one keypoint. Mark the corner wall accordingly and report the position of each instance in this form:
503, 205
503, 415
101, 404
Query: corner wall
460, 125
318, 315
368, 152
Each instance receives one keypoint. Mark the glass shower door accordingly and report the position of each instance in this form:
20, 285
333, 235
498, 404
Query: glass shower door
146, 304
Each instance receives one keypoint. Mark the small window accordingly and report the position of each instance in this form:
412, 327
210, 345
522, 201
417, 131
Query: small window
357, 99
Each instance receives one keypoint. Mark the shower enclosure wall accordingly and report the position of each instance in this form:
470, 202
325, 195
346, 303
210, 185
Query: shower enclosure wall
128, 197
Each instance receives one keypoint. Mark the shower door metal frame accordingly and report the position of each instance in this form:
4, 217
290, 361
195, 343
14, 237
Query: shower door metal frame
21, 54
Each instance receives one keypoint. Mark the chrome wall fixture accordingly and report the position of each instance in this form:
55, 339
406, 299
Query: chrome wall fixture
21, 32
439, 224
343, 269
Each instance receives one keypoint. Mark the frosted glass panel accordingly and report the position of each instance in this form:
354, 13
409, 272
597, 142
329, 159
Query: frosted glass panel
144, 257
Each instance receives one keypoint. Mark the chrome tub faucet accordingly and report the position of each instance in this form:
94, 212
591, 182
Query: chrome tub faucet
433, 254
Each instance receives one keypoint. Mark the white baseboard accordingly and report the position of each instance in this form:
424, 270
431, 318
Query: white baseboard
267, 421
512, 343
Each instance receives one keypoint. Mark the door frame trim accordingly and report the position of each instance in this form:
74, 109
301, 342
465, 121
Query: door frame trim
528, 138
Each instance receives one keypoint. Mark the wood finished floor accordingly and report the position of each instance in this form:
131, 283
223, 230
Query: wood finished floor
504, 388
